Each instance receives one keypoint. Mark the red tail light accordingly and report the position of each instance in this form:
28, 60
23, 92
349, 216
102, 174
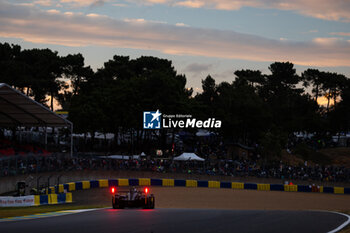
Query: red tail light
113, 190
146, 190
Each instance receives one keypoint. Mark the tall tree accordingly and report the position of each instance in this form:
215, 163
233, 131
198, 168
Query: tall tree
42, 70
315, 79
253, 77
282, 96
73, 68
11, 69
332, 86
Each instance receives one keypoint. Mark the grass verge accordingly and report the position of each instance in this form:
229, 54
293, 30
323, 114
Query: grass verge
6, 212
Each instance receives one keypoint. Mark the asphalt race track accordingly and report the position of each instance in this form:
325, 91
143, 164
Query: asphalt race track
180, 220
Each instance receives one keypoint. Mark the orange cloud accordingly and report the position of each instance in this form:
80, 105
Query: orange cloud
191, 4
79, 2
326, 40
338, 10
43, 2
340, 33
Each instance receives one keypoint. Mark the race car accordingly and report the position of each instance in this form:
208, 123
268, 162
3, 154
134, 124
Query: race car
132, 198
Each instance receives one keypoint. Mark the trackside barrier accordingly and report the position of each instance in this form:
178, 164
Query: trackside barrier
156, 182
290, 188
86, 184
346, 190
112, 183
277, 187
78, 185
250, 186
104, 183
202, 183
52, 199
94, 184
304, 188
43, 199
225, 185
71, 186
191, 183
214, 184
328, 189
180, 183
339, 190
36, 200
50, 190
264, 187
60, 188
123, 182
237, 185
168, 182
134, 182
321, 189
144, 181
69, 197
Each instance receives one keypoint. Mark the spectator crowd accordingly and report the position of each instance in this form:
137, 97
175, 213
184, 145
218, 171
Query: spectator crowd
233, 168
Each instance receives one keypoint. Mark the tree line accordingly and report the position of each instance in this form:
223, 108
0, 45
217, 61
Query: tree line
255, 108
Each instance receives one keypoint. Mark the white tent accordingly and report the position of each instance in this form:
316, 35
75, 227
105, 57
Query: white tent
203, 133
188, 156
125, 157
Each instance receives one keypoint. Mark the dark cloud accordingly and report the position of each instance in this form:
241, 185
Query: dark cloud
97, 3
196, 68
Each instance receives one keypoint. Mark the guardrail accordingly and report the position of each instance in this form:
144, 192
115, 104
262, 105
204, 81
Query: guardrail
104, 183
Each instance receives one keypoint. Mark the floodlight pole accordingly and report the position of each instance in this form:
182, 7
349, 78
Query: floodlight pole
45, 137
71, 140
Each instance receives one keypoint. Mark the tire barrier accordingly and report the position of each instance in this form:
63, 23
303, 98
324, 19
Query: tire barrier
104, 183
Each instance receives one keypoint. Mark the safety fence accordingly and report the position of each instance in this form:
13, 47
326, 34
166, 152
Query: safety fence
104, 183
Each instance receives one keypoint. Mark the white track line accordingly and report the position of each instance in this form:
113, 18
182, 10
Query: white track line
76, 211
47, 214
342, 225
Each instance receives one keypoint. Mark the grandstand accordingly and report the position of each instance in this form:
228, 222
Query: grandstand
9, 148
19, 110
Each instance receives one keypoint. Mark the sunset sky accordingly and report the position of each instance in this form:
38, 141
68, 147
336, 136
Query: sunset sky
201, 37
